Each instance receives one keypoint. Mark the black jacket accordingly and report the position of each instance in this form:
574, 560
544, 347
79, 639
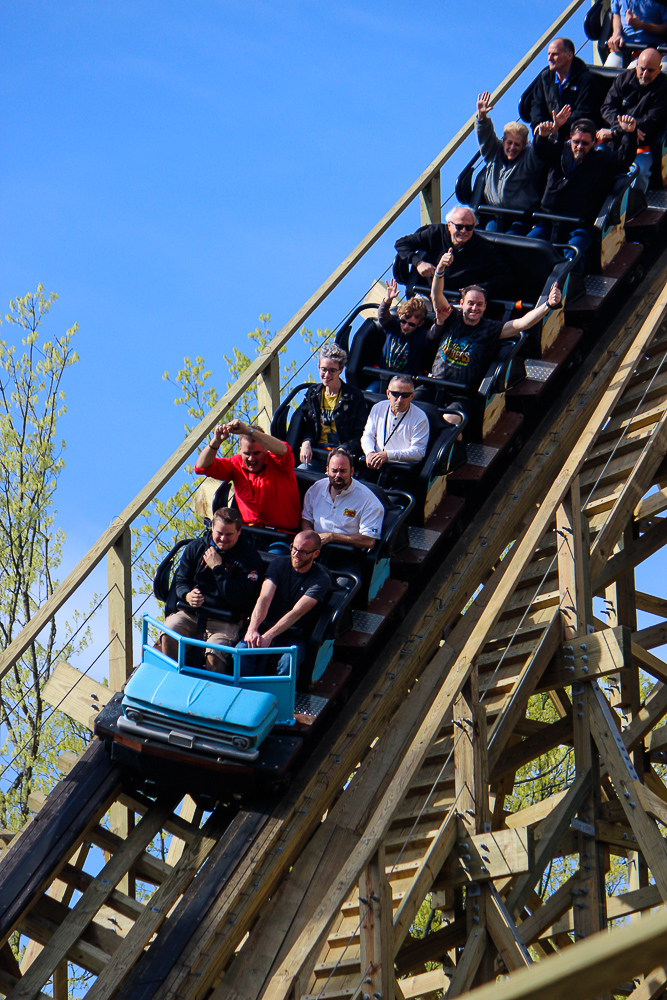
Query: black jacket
580, 94
648, 105
349, 414
477, 262
580, 190
233, 586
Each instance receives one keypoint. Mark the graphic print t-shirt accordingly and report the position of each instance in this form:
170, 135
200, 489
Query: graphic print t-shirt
464, 351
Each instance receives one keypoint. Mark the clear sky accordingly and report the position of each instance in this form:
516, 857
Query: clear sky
174, 169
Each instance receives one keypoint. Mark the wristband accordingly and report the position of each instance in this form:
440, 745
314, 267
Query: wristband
213, 447
439, 274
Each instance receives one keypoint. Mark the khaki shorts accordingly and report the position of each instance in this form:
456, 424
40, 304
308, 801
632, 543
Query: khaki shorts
220, 632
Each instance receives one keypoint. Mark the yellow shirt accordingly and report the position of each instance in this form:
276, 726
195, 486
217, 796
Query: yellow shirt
327, 423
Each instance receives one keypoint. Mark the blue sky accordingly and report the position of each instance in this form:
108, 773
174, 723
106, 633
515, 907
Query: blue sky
174, 169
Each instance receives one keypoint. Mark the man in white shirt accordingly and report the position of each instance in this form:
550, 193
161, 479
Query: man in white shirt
396, 431
339, 508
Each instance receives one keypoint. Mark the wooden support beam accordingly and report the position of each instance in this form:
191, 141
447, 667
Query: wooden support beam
651, 986
595, 965
643, 721
119, 577
432, 948
572, 565
425, 985
593, 655
552, 735
558, 903
491, 855
152, 916
524, 687
430, 200
504, 932
77, 695
634, 487
268, 394
375, 933
628, 788
93, 898
429, 867
651, 604
631, 555
468, 963
553, 829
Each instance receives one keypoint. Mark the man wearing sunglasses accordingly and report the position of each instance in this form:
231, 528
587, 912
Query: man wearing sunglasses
293, 587
471, 259
396, 430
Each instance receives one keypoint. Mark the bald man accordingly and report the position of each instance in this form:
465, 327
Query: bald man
286, 610
642, 93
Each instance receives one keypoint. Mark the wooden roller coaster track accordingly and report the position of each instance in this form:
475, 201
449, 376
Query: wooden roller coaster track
313, 893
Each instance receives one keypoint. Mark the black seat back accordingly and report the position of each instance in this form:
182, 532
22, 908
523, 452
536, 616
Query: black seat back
530, 261
365, 349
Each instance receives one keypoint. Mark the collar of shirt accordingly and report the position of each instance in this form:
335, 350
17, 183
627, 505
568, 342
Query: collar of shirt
343, 493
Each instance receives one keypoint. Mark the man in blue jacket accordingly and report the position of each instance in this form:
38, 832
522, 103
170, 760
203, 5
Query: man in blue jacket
221, 571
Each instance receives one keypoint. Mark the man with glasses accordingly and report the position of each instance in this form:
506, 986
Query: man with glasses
341, 509
582, 174
471, 259
265, 487
292, 589
405, 334
396, 430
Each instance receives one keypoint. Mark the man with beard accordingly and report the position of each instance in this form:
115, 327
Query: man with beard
341, 509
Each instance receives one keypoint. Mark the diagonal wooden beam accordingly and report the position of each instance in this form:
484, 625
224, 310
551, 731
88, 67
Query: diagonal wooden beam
553, 829
628, 787
558, 903
651, 712
599, 963
629, 557
524, 687
92, 899
468, 963
633, 489
433, 860
504, 932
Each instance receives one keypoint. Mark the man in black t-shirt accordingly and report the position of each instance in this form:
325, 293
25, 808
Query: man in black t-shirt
466, 341
291, 591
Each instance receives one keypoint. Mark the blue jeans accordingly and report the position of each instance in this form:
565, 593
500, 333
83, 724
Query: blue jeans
644, 161
258, 665
518, 227
579, 238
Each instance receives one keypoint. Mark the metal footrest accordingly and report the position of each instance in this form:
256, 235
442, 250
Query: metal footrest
657, 199
540, 371
480, 454
422, 538
597, 285
309, 704
366, 621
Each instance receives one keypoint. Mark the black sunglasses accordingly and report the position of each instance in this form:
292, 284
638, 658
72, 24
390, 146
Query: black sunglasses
400, 395
465, 226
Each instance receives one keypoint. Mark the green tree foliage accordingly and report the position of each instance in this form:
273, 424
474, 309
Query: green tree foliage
31, 460
166, 521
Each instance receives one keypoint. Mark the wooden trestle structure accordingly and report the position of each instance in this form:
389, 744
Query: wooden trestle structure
312, 895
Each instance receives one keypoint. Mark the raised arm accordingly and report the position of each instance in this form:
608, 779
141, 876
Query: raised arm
274, 445
441, 306
523, 323
210, 449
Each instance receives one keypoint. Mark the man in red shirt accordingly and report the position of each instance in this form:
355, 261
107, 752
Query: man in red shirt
265, 486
